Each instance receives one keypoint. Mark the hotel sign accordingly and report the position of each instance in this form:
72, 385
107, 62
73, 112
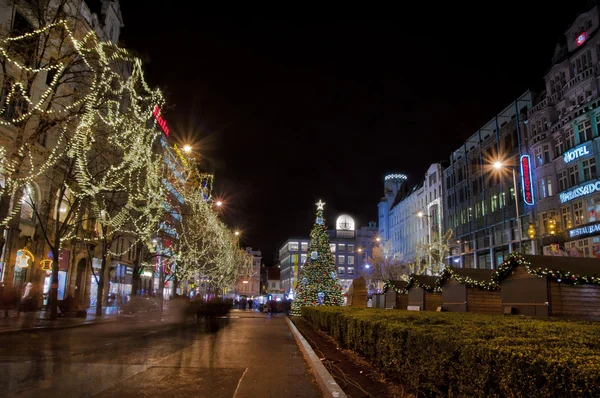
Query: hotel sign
526, 180
576, 153
578, 192
585, 230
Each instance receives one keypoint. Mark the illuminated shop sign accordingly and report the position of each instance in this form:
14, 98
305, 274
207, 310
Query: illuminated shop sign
585, 230
526, 179
578, 192
576, 153
159, 119
581, 38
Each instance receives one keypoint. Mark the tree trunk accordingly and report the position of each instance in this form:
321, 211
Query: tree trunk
54, 283
100, 294
135, 277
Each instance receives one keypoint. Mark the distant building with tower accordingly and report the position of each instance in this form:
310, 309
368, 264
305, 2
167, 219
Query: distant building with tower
407, 217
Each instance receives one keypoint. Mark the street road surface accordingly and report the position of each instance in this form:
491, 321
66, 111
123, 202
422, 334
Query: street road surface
248, 355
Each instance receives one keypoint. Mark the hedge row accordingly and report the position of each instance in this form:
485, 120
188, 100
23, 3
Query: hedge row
474, 355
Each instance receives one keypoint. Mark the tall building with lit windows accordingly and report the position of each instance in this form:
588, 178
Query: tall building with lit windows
408, 217
480, 205
564, 144
351, 248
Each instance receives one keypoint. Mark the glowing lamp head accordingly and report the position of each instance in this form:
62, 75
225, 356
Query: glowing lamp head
187, 148
531, 231
378, 239
359, 250
367, 266
219, 203
420, 214
498, 165
237, 233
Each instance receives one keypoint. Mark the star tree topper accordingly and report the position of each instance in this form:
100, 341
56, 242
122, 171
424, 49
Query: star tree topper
320, 204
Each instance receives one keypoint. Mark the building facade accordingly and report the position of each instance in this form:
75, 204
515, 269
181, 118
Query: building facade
410, 216
480, 201
564, 144
249, 286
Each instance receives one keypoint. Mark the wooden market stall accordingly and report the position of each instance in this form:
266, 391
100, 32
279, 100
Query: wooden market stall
470, 290
422, 295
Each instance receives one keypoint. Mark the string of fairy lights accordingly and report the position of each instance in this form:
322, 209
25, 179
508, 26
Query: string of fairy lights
96, 108
496, 277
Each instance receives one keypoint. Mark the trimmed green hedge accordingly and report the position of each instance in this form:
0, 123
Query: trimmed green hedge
471, 355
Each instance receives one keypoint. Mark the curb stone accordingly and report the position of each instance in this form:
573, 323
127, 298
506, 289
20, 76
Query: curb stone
326, 383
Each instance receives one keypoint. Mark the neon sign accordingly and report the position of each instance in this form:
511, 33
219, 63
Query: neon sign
581, 38
588, 229
578, 192
576, 153
526, 180
159, 119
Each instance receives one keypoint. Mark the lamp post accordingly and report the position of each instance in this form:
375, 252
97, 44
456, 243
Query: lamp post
422, 214
498, 165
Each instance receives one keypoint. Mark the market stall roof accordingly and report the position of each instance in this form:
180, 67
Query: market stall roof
576, 265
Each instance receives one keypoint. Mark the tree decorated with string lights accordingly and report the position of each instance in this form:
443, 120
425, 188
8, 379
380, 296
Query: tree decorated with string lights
318, 278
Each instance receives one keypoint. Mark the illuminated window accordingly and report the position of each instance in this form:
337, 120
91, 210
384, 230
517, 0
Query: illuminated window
293, 246
350, 271
562, 181
341, 259
340, 271
350, 260
578, 213
341, 248
302, 258
304, 246
350, 248
332, 247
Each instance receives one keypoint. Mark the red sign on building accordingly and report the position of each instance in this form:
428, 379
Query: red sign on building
526, 180
159, 119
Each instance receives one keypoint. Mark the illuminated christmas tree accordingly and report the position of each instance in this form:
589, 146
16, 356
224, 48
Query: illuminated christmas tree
318, 278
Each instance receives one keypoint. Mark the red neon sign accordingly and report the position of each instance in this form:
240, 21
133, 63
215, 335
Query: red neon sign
581, 38
526, 179
159, 119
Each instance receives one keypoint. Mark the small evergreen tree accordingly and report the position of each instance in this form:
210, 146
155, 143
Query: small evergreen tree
318, 278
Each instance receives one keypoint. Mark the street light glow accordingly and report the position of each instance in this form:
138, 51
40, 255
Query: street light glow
219, 203
378, 239
187, 148
237, 233
367, 266
420, 214
498, 165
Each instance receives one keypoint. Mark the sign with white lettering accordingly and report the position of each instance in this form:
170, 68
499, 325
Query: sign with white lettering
585, 230
581, 38
414, 308
584, 190
576, 153
526, 180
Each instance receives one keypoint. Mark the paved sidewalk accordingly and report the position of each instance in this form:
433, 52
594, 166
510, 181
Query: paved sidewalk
30, 321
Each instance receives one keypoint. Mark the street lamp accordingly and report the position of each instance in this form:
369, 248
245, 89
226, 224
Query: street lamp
498, 166
378, 239
187, 148
219, 203
237, 233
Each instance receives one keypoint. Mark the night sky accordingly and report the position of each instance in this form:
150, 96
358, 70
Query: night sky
288, 112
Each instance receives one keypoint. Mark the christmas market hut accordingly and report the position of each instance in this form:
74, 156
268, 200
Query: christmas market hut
424, 293
566, 287
396, 294
470, 290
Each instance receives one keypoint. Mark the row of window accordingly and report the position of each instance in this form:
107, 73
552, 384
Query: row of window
491, 204
349, 271
340, 247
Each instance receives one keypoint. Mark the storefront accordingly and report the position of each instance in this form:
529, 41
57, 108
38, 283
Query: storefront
120, 284
63, 269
